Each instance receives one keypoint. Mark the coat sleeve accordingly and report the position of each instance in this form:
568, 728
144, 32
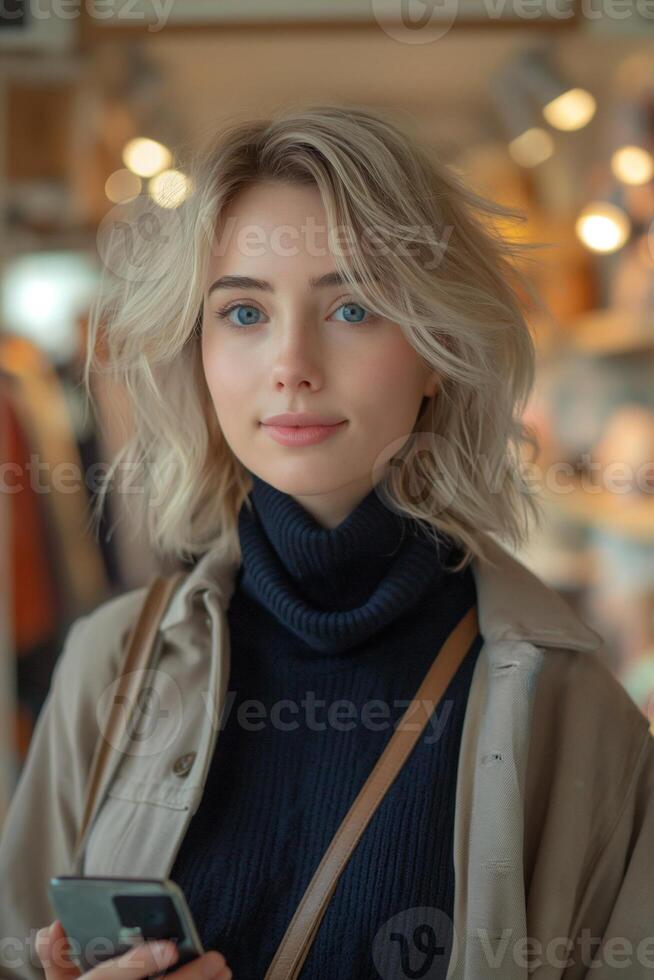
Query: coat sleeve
40, 825
624, 871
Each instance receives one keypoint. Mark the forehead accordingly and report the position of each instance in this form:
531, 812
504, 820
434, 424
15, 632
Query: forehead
275, 200
272, 224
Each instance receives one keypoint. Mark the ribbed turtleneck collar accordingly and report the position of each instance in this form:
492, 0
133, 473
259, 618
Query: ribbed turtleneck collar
335, 587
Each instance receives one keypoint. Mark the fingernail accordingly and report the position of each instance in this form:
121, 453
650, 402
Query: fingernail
163, 948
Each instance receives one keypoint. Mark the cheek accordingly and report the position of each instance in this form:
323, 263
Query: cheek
228, 379
393, 377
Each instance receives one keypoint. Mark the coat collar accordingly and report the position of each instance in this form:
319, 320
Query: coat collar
512, 602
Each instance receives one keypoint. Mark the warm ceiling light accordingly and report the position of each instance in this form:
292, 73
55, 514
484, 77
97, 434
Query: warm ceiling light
146, 157
122, 185
532, 147
632, 165
603, 227
528, 143
169, 188
563, 106
571, 110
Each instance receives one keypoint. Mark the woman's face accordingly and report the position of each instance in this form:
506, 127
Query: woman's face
279, 345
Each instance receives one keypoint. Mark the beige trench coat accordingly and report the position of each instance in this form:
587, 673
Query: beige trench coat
554, 827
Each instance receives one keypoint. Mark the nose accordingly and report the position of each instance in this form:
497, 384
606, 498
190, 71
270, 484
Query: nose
297, 360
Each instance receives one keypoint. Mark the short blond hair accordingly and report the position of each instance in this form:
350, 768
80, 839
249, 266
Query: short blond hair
459, 301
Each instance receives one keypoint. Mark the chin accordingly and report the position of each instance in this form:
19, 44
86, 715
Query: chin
303, 480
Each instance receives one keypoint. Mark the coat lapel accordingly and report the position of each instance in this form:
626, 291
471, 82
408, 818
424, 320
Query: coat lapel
513, 603
520, 617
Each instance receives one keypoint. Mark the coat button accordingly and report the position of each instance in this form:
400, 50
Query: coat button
182, 766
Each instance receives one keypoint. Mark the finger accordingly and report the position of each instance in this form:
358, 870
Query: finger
53, 947
224, 974
141, 961
209, 966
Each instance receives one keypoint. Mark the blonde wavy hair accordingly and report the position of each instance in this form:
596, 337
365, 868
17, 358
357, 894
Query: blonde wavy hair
446, 274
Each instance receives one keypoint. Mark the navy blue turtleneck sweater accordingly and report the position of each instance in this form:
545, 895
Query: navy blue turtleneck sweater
332, 631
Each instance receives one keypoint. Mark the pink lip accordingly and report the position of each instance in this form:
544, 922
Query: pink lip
302, 435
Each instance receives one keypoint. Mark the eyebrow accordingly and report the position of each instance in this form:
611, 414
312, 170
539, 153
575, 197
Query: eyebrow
247, 282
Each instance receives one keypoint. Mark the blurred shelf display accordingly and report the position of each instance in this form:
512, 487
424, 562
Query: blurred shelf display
593, 412
606, 332
596, 333
625, 513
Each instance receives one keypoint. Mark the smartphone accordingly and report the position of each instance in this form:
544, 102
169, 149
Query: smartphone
105, 917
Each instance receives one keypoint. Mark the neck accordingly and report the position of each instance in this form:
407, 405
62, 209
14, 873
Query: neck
332, 509
334, 587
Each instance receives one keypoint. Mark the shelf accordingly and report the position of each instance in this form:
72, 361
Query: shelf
624, 514
605, 332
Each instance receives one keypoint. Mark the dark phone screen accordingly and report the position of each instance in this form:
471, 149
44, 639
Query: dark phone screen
155, 917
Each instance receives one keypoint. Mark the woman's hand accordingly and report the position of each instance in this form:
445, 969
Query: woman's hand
141, 961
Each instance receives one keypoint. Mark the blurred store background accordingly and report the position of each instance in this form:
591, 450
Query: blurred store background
546, 107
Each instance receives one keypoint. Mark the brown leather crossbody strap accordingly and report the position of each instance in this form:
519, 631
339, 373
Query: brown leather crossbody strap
140, 648
295, 945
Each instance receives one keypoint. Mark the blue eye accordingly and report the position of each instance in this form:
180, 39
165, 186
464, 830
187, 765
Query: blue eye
247, 315
247, 321
355, 307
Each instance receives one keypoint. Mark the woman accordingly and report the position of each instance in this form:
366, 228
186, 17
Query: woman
326, 267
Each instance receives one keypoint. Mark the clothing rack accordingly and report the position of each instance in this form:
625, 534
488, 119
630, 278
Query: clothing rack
49, 556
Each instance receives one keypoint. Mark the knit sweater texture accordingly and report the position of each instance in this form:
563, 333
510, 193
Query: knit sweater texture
332, 631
